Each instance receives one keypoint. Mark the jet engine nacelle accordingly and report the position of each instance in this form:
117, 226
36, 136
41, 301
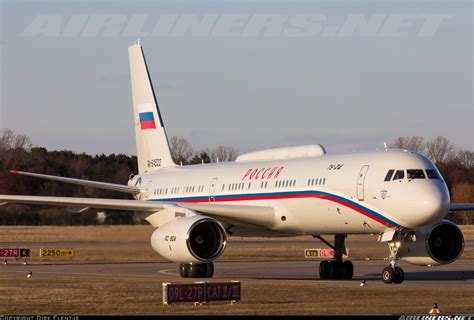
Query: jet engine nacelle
442, 243
188, 239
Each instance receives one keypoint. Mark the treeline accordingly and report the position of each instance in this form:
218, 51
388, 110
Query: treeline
183, 153
17, 152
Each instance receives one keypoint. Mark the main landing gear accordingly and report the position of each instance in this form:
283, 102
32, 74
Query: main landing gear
196, 270
392, 273
336, 268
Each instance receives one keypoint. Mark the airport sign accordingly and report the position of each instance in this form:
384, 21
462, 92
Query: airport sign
14, 252
8, 253
57, 252
322, 253
201, 292
24, 252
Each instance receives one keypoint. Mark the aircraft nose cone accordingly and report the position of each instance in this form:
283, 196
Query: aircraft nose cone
432, 205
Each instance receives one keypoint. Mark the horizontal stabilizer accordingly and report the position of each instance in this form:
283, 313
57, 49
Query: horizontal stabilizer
86, 183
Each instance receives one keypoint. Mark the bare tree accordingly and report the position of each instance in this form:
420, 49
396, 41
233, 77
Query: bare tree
6, 139
415, 143
9, 140
440, 150
12, 146
466, 158
223, 154
181, 150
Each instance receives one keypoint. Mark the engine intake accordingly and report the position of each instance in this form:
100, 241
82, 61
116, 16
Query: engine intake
206, 239
442, 243
190, 239
445, 243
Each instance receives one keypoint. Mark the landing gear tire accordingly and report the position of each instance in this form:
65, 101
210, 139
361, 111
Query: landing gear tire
388, 275
334, 269
209, 270
324, 270
347, 270
196, 270
183, 270
399, 275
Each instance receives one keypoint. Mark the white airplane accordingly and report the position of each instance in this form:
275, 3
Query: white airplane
277, 192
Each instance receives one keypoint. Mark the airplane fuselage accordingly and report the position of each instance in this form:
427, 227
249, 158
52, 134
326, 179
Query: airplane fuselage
329, 194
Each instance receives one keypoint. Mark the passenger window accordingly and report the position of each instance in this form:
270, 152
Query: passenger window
389, 175
432, 174
399, 175
415, 174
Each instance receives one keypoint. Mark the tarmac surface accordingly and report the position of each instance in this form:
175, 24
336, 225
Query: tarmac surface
457, 274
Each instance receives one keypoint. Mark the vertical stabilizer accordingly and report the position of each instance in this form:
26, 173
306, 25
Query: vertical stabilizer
153, 151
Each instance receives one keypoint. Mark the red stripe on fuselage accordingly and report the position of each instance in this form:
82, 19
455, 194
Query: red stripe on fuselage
292, 196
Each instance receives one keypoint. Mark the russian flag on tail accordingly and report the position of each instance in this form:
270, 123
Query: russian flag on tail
147, 120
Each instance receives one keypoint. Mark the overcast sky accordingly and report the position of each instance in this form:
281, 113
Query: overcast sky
247, 74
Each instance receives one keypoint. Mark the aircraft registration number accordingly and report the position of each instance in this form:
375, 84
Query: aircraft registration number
153, 163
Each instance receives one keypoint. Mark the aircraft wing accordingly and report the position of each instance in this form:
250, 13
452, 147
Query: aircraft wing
461, 206
87, 183
254, 215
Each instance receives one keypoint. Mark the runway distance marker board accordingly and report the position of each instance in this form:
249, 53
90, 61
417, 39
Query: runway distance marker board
322, 253
57, 252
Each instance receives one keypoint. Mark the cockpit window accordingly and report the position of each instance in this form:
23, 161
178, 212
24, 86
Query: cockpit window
400, 174
432, 174
389, 175
415, 174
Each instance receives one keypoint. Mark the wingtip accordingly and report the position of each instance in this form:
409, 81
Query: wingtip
13, 172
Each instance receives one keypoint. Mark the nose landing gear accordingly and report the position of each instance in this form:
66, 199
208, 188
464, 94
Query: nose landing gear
392, 273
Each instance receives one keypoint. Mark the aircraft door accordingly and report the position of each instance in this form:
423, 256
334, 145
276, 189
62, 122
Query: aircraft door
212, 190
360, 182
